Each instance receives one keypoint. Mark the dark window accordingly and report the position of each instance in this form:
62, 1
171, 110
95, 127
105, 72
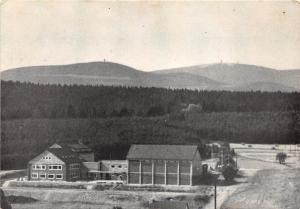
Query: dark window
172, 179
172, 167
159, 166
133, 178
147, 178
58, 176
159, 179
147, 166
184, 179
134, 166
50, 176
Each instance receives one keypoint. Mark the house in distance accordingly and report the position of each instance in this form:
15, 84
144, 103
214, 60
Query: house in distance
55, 163
163, 164
85, 153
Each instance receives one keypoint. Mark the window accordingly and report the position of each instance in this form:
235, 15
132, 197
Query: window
50, 176
42, 176
120, 166
59, 176
112, 166
38, 167
34, 175
74, 166
55, 167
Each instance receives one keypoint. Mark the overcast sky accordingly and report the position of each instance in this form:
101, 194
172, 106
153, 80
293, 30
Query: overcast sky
150, 36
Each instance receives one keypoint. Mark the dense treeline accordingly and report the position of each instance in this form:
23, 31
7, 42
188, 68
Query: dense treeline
26, 100
110, 119
111, 138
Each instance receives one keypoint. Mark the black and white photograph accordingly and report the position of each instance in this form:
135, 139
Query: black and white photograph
150, 104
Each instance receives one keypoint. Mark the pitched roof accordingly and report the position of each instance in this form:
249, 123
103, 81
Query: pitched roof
55, 146
65, 154
179, 152
79, 147
168, 205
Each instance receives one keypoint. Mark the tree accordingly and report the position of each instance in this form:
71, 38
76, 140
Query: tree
156, 111
229, 172
281, 157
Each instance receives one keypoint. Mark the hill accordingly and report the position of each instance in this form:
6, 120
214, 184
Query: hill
105, 73
236, 75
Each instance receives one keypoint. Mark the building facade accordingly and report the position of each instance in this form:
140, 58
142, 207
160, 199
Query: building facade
115, 170
163, 165
56, 163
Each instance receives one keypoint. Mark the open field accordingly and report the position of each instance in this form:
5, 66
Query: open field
85, 199
267, 152
268, 189
252, 160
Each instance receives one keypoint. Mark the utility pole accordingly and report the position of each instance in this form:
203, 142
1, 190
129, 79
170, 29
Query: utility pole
216, 192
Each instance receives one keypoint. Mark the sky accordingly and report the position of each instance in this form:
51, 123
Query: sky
150, 35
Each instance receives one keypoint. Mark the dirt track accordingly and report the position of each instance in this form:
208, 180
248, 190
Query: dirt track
271, 185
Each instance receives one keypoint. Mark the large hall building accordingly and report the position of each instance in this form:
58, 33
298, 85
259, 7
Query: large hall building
163, 165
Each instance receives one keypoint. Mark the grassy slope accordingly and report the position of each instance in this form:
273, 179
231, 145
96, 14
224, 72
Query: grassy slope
268, 189
111, 138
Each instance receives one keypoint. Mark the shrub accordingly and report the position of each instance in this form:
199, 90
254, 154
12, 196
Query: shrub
229, 172
281, 157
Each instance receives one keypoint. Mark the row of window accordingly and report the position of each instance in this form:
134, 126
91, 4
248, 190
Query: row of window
50, 167
162, 161
49, 176
74, 166
47, 158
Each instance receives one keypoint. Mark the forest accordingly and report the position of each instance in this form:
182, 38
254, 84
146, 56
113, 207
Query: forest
26, 100
109, 118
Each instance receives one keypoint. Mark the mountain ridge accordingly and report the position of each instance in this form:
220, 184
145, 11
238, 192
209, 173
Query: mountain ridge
215, 76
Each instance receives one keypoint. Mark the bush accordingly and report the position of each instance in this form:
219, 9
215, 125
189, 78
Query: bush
229, 172
281, 157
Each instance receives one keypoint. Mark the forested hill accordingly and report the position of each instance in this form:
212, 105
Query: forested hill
110, 119
25, 100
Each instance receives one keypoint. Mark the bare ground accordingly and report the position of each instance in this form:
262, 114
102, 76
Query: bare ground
85, 199
252, 160
268, 189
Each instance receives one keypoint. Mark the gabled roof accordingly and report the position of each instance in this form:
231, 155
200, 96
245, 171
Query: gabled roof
165, 152
40, 158
65, 154
79, 147
60, 151
168, 205
55, 146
